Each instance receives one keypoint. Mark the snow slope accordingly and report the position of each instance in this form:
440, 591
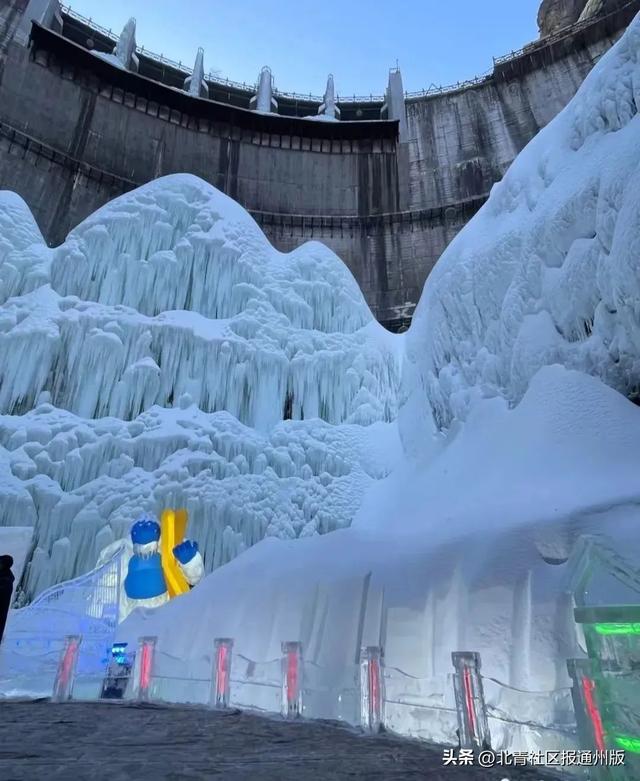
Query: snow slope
547, 272
151, 360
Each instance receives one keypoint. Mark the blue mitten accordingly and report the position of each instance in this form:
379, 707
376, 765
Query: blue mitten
185, 551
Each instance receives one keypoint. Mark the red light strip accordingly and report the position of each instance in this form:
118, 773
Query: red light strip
145, 668
221, 672
374, 688
292, 677
67, 663
588, 687
468, 694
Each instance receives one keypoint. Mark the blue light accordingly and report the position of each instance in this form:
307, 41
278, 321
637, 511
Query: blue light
119, 653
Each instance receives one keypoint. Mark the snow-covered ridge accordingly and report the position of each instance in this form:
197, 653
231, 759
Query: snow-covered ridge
167, 354
548, 271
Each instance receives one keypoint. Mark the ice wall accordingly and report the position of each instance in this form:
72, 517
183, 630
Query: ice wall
548, 270
167, 354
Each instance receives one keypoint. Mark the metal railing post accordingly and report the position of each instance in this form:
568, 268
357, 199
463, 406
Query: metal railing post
473, 725
66, 672
221, 673
144, 667
292, 679
371, 688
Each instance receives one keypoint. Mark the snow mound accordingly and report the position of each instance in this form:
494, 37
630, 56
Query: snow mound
547, 272
167, 354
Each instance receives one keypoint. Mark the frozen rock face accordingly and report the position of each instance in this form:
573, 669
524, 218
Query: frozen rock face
547, 272
167, 355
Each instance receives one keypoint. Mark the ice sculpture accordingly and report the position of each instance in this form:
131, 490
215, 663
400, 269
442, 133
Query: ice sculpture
147, 583
167, 355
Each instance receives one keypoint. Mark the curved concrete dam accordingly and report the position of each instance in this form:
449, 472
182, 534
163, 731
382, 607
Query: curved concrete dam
387, 187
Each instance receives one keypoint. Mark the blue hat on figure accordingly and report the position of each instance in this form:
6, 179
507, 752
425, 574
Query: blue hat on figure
144, 531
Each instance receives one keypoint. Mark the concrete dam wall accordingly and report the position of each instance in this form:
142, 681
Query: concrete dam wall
386, 195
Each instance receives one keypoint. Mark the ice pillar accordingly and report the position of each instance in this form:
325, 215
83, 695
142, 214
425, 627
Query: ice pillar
583, 695
221, 673
44, 12
394, 107
329, 107
66, 672
371, 688
263, 100
473, 726
195, 84
125, 50
144, 668
291, 679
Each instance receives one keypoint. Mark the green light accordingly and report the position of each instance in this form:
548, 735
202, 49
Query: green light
617, 629
628, 744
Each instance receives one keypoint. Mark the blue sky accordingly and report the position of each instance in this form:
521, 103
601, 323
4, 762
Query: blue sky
434, 41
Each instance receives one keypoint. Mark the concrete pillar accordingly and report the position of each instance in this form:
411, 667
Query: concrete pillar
125, 49
66, 672
394, 107
221, 673
329, 107
195, 84
263, 100
45, 12
473, 726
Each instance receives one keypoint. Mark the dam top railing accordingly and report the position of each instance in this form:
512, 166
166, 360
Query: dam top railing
434, 89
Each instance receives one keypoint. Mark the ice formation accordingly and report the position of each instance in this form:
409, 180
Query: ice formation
547, 272
166, 354
517, 439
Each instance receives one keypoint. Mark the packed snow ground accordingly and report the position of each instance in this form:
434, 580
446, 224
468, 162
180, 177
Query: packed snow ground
467, 456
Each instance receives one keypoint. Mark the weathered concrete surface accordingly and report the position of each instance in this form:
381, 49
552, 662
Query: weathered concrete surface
114, 742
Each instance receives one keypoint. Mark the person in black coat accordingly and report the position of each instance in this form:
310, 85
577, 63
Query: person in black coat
6, 590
